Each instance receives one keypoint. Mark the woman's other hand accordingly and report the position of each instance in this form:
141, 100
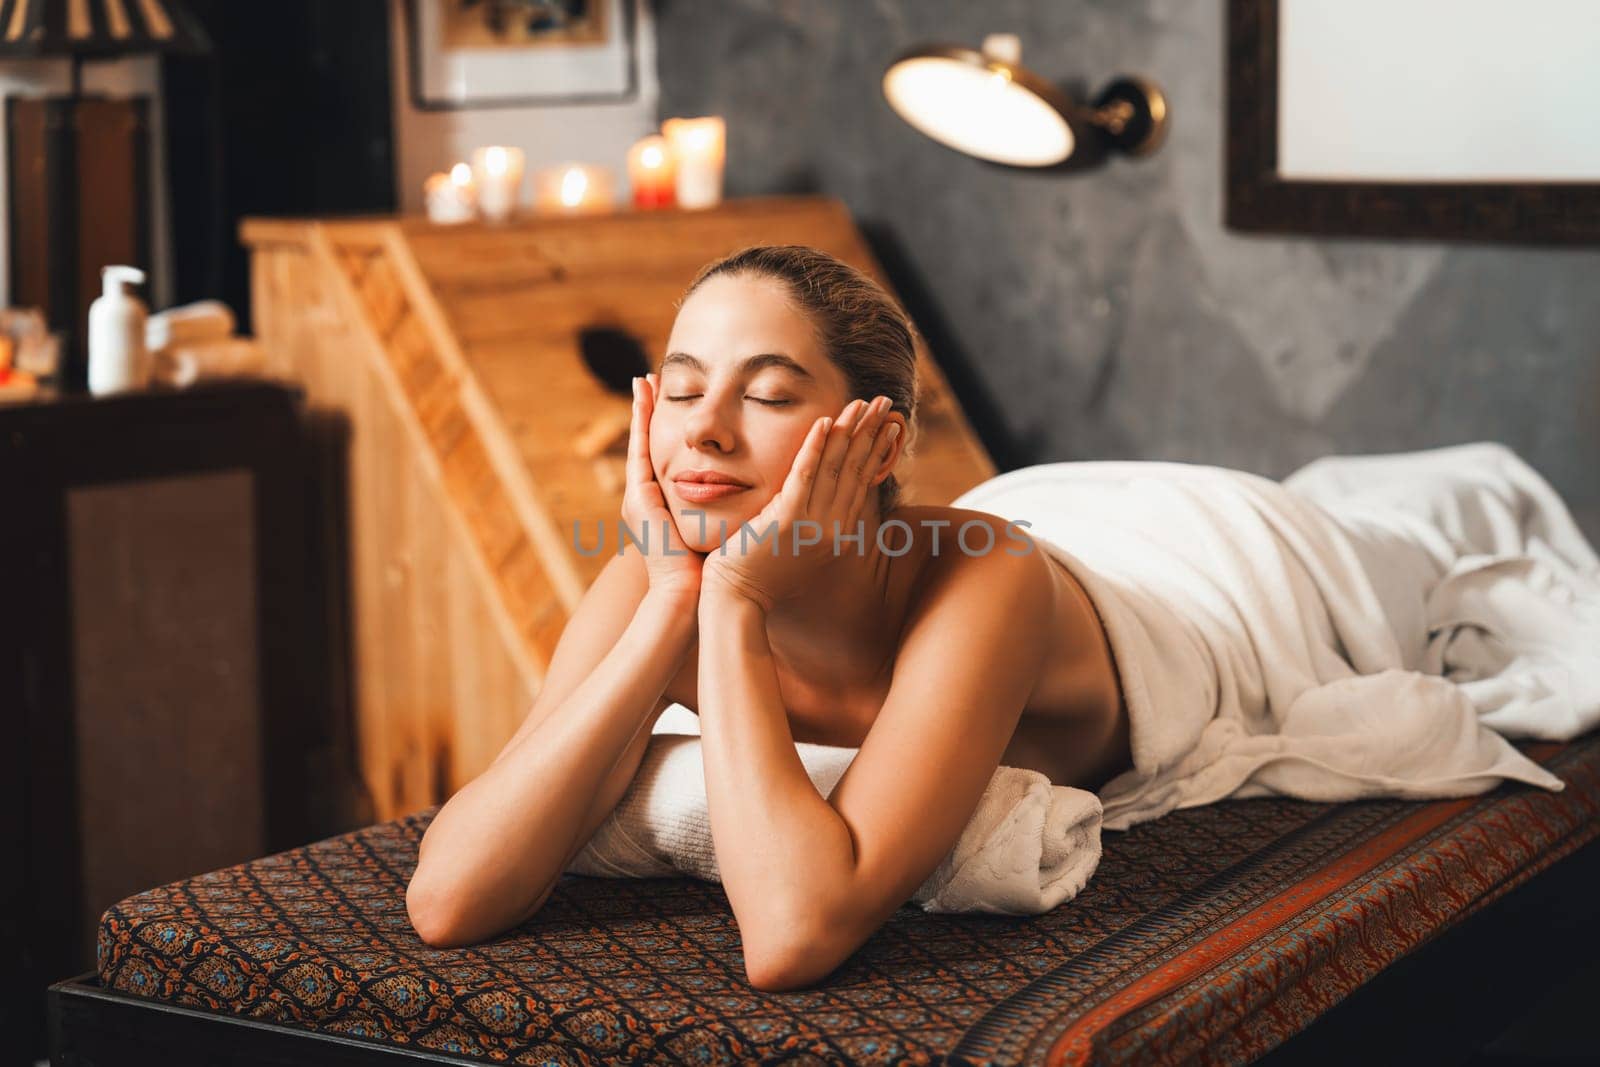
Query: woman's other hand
673, 567
827, 487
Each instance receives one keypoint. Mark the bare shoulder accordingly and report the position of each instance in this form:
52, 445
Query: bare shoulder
966, 557
947, 537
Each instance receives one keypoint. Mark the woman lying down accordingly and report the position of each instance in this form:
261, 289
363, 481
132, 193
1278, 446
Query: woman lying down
1163, 634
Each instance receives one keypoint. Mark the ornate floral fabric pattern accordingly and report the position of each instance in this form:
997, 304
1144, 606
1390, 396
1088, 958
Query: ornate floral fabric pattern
1170, 952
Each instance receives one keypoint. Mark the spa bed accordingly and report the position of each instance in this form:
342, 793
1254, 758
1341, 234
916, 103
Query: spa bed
1214, 934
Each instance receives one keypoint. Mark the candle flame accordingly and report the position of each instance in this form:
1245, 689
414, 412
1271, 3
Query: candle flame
574, 183
702, 136
652, 156
461, 174
495, 160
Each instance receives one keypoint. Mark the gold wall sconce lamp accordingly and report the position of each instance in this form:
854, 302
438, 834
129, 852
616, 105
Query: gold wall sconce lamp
985, 103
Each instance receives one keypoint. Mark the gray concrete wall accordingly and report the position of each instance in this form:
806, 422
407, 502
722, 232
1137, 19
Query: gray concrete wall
1109, 315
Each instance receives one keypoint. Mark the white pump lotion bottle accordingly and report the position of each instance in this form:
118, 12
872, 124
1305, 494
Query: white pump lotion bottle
118, 360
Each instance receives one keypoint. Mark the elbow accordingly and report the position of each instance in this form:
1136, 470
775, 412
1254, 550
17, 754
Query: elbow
790, 956
445, 916
788, 971
434, 914
773, 976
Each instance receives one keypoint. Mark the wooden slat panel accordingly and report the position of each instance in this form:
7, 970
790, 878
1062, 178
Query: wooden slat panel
436, 689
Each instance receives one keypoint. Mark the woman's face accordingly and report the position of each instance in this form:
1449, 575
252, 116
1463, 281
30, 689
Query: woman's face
742, 382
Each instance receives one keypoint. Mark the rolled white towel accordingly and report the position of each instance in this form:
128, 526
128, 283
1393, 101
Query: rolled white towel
1028, 847
188, 324
185, 364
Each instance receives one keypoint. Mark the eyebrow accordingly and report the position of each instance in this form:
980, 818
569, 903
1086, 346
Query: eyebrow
749, 365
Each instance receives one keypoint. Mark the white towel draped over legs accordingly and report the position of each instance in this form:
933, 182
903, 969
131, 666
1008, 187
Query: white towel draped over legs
1488, 580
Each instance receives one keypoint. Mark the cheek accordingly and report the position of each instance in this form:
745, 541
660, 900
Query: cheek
664, 430
780, 455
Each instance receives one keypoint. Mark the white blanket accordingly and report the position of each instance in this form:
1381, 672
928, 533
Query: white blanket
1372, 626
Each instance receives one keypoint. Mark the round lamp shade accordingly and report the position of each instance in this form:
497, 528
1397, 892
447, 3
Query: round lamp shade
981, 105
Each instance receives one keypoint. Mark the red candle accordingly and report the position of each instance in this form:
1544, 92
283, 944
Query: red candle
652, 172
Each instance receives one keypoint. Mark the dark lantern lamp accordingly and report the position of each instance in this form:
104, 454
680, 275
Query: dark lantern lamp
78, 165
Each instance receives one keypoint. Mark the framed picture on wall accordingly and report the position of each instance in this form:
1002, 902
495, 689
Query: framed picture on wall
1373, 119
511, 53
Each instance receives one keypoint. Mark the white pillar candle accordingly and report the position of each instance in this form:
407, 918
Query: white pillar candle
573, 189
451, 197
497, 171
699, 148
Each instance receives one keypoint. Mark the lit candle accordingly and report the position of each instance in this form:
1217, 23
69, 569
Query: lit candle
698, 145
451, 197
573, 189
497, 170
652, 172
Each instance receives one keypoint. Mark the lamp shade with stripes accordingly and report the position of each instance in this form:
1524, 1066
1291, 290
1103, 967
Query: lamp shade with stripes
94, 28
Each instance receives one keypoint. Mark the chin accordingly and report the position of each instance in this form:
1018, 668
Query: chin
711, 517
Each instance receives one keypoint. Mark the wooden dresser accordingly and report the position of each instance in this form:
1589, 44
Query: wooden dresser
484, 374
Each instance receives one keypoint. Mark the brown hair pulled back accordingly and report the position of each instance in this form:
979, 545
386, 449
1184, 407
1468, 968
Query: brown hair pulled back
863, 330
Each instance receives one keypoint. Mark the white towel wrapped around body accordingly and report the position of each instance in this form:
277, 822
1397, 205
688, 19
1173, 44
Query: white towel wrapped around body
1295, 638
1371, 626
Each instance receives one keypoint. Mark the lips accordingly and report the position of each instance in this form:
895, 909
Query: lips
703, 485
709, 478
701, 492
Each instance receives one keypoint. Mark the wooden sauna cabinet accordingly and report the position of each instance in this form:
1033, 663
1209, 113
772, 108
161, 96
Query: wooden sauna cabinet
479, 434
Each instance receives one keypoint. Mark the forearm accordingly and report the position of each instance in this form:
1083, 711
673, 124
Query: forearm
499, 843
778, 841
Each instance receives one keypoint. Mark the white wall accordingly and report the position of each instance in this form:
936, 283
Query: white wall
429, 141
140, 76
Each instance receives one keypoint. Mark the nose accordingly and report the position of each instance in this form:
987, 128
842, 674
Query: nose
708, 424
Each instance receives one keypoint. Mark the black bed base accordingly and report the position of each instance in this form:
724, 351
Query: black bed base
91, 1026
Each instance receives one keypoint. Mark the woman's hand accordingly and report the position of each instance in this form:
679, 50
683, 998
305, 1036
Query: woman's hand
673, 567
827, 485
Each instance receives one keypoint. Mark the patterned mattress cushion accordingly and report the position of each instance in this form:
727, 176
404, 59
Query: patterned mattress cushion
1222, 929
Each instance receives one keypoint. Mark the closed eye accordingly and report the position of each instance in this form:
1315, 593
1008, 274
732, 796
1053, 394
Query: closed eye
757, 399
